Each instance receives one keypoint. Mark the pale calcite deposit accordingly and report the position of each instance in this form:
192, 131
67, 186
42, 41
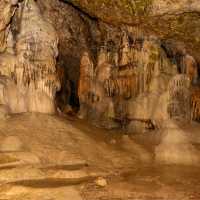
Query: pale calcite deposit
7, 10
129, 83
28, 64
136, 86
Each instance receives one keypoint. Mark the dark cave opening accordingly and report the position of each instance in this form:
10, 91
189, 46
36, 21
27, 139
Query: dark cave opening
74, 99
67, 100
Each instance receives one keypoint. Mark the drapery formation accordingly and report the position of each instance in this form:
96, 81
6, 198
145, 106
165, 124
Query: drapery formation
134, 80
28, 59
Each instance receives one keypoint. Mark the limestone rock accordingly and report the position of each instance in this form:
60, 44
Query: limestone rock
131, 74
179, 97
120, 75
30, 71
176, 21
101, 182
74, 34
124, 70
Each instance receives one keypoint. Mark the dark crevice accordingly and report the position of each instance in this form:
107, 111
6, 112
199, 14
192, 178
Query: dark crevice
79, 10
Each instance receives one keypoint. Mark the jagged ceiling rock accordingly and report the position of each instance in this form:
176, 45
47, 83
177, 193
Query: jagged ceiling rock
177, 21
106, 48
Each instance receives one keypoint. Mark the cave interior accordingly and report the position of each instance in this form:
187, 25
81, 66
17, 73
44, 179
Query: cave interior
99, 100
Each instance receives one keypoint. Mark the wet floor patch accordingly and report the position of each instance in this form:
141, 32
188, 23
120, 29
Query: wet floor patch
150, 182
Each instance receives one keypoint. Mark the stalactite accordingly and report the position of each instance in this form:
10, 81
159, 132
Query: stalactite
120, 109
31, 64
177, 83
126, 85
111, 87
138, 78
123, 86
179, 97
149, 74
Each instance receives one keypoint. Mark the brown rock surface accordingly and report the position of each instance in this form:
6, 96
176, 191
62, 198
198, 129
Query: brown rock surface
176, 21
29, 81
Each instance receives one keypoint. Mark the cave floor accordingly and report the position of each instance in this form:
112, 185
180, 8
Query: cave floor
58, 158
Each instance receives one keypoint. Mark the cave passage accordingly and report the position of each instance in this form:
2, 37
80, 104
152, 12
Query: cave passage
67, 99
99, 100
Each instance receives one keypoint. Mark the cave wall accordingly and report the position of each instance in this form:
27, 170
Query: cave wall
56, 54
128, 81
120, 74
73, 36
27, 59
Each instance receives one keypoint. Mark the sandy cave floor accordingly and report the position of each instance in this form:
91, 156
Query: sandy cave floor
57, 158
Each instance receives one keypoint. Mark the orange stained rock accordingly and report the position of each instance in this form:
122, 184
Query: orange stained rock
191, 67
195, 103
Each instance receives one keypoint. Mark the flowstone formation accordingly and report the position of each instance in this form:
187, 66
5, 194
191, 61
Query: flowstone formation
119, 75
175, 146
74, 37
121, 72
128, 85
27, 63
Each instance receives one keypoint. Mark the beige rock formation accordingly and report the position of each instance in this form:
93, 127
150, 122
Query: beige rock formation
30, 73
177, 21
7, 10
129, 84
176, 147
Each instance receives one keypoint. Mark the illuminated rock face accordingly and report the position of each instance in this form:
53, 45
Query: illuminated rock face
125, 74
179, 97
125, 71
121, 83
134, 83
176, 21
27, 65
7, 10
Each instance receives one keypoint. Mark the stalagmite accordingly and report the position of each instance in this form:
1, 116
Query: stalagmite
85, 84
191, 68
176, 146
179, 97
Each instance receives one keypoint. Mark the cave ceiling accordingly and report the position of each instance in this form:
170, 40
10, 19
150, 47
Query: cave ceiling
176, 22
